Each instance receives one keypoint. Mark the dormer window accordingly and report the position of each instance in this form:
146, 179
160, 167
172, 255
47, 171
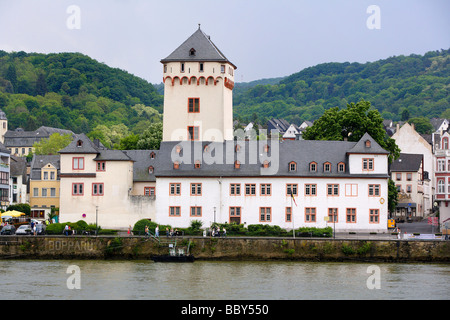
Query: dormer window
327, 167
266, 148
178, 149
152, 155
368, 143
341, 167
237, 148
292, 166
150, 170
266, 164
79, 143
192, 52
197, 164
176, 165
313, 167
237, 164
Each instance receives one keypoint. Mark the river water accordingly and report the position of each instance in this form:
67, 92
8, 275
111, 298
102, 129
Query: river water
205, 280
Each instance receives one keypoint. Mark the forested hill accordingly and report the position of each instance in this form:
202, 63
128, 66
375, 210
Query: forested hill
417, 83
73, 91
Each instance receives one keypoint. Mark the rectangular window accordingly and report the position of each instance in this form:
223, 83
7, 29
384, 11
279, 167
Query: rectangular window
193, 105
266, 189
265, 214
291, 188
175, 189
351, 190
52, 192
52, 175
235, 189
441, 165
235, 215
97, 189
5, 178
44, 192
35, 192
398, 176
351, 215
149, 191
288, 214
409, 176
196, 189
45, 175
310, 189
333, 215
310, 214
374, 190
182, 67
196, 211
174, 211
250, 189
374, 215
77, 189
408, 188
78, 163
332, 189
101, 166
201, 67
368, 164
193, 133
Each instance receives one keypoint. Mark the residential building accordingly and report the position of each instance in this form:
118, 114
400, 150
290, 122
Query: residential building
21, 142
112, 187
18, 180
411, 142
442, 177
414, 190
44, 185
4, 177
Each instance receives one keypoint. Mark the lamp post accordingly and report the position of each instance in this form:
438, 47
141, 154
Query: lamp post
214, 215
96, 220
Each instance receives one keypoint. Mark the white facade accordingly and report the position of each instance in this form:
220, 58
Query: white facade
218, 203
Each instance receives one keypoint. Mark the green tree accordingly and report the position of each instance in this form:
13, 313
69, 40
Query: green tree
351, 124
52, 144
11, 75
151, 138
392, 196
41, 85
422, 125
129, 142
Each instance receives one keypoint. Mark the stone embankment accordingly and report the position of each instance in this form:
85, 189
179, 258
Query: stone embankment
230, 248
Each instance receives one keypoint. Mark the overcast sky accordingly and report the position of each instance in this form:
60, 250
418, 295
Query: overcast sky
263, 38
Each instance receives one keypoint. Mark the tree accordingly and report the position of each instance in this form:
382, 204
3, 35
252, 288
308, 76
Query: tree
11, 75
52, 144
351, 124
129, 142
151, 138
41, 85
405, 115
422, 125
392, 196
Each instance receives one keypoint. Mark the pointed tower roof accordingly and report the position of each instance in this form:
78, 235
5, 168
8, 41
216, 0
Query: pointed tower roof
367, 144
198, 47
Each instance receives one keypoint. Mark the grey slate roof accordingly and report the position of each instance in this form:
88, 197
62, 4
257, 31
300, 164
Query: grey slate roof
40, 161
18, 167
142, 162
360, 146
205, 50
407, 162
303, 152
81, 144
20, 138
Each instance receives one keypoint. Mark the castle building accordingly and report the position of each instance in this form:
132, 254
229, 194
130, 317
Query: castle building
202, 171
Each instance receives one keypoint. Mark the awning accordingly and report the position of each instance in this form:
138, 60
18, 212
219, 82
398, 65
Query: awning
12, 213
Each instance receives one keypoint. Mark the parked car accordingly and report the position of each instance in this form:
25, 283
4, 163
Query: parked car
8, 230
40, 229
24, 229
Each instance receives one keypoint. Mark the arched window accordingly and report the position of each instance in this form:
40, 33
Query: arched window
313, 167
150, 170
441, 186
341, 167
292, 166
176, 165
152, 155
327, 167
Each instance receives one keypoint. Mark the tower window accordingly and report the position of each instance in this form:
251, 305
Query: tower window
192, 52
193, 105
193, 133
182, 67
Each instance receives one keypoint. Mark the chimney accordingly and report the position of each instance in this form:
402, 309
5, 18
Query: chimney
412, 125
398, 127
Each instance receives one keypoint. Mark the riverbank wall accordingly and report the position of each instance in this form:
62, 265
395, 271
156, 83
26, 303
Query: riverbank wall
230, 248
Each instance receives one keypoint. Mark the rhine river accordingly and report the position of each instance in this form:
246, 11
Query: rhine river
206, 280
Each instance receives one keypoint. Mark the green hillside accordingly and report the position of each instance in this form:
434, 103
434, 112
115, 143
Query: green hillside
73, 91
417, 83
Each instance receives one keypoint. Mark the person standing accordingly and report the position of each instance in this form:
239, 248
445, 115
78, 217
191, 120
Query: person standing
157, 232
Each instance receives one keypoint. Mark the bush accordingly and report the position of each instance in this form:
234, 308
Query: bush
315, 232
55, 228
139, 227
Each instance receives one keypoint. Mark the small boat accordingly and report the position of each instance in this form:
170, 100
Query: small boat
175, 255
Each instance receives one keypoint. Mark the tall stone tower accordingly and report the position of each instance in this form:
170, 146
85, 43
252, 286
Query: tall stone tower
198, 92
